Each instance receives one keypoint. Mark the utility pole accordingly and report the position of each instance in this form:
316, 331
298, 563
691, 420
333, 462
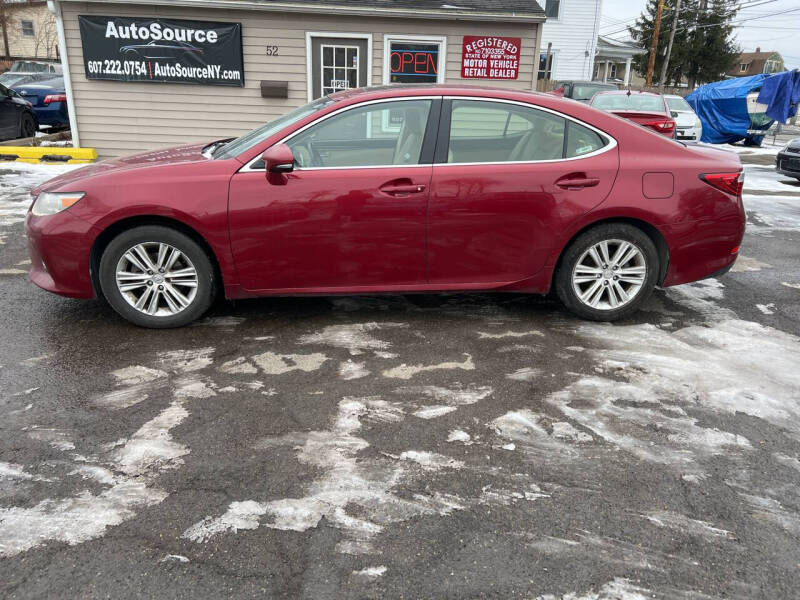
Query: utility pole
654, 46
669, 45
4, 26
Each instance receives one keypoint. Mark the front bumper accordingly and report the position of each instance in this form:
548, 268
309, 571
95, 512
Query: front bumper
59, 247
788, 163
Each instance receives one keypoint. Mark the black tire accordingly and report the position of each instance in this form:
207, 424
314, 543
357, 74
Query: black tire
27, 126
206, 279
611, 231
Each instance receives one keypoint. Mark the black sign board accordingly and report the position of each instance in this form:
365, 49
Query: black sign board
162, 50
413, 63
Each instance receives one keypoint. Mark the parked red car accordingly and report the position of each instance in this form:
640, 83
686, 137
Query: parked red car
643, 108
395, 190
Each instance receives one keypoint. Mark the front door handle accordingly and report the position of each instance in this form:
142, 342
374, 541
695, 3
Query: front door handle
577, 184
402, 189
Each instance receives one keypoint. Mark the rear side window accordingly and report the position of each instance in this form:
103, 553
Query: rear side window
581, 140
492, 132
499, 132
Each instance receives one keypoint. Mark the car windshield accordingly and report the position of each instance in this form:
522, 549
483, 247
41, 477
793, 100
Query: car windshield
255, 137
29, 67
584, 91
9, 79
678, 104
628, 102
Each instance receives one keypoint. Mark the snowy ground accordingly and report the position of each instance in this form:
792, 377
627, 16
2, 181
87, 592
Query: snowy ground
419, 447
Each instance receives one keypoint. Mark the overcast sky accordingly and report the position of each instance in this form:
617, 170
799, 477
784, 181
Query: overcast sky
779, 32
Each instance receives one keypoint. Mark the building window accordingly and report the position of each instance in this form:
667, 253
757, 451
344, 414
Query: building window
27, 28
742, 68
552, 9
544, 72
414, 59
339, 68
612, 72
596, 71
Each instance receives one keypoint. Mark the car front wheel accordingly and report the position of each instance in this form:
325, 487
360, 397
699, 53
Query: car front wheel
157, 277
607, 272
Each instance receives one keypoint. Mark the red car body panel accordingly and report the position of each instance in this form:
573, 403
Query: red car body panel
498, 226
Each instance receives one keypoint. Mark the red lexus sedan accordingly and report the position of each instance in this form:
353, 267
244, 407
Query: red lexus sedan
643, 108
395, 190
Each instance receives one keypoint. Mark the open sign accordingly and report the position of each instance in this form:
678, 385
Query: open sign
413, 63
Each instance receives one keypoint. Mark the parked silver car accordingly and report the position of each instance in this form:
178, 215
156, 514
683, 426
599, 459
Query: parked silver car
687, 122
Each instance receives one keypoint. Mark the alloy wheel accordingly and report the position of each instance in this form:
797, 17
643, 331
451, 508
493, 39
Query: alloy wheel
156, 279
609, 275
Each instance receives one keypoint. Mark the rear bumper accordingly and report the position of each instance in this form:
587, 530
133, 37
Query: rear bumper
702, 249
59, 247
690, 134
52, 114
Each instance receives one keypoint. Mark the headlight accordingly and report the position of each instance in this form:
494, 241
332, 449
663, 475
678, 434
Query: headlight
50, 204
698, 123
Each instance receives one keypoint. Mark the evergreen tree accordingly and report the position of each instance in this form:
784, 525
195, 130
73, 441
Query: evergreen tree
703, 49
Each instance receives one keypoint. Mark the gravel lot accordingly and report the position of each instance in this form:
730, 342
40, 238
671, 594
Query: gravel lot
430, 446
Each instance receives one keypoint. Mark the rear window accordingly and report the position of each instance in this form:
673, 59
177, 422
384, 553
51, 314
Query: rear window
626, 102
678, 103
584, 91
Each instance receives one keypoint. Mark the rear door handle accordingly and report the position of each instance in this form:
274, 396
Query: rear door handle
401, 189
577, 184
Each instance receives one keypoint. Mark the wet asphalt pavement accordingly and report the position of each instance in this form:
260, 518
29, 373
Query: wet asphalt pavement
431, 446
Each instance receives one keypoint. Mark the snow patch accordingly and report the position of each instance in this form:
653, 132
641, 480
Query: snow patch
349, 370
278, 364
354, 337
405, 371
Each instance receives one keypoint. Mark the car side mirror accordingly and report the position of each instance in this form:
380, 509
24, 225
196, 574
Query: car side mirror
674, 114
278, 159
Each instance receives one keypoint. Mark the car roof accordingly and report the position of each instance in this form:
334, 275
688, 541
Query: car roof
433, 89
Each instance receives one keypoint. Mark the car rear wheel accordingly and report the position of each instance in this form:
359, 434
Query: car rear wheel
157, 277
607, 272
27, 126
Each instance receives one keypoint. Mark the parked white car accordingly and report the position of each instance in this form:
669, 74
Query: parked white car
687, 122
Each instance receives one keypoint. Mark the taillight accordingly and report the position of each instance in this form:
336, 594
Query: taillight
730, 183
665, 126
55, 98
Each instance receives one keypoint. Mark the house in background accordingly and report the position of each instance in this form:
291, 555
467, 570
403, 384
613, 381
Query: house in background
571, 28
613, 61
753, 63
27, 30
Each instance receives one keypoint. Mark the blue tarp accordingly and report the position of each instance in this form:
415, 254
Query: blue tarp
781, 94
722, 108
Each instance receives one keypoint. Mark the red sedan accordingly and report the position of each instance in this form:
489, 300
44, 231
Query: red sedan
643, 108
395, 190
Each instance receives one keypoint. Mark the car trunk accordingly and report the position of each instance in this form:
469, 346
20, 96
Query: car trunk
646, 119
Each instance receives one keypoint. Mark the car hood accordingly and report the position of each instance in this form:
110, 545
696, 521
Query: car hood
794, 144
167, 156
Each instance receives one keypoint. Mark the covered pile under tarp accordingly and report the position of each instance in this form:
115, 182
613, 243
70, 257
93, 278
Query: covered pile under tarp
722, 108
781, 94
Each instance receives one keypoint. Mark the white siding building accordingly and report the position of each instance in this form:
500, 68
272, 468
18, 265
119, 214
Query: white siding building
572, 28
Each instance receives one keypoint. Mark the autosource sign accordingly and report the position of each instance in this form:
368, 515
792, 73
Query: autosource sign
488, 57
162, 50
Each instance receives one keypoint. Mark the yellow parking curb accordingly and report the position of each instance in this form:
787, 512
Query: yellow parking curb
47, 154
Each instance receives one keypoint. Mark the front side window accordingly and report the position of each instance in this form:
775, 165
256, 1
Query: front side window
27, 28
493, 132
382, 134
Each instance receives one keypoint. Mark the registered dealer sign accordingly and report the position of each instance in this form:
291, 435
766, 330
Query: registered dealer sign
162, 50
489, 57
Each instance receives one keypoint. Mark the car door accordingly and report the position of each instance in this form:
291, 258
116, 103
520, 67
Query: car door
507, 179
351, 215
9, 116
